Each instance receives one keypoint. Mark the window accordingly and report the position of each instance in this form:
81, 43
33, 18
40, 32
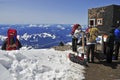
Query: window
100, 21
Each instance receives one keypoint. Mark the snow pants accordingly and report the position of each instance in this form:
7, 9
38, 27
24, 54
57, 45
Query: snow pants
74, 44
90, 51
117, 46
109, 53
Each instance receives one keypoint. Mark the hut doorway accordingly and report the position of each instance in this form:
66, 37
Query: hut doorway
91, 22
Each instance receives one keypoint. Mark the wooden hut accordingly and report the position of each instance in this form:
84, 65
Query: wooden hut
104, 17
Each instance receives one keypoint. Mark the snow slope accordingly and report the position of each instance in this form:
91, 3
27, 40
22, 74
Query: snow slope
38, 64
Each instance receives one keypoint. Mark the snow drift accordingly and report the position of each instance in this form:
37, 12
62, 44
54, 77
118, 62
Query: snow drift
38, 64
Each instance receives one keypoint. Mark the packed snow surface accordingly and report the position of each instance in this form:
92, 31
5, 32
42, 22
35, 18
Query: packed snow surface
38, 64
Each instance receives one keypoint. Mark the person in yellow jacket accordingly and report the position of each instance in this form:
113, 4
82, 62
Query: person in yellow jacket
93, 33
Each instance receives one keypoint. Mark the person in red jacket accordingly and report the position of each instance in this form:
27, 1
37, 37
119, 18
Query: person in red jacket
11, 42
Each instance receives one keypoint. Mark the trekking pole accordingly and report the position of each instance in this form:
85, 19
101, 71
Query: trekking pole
83, 42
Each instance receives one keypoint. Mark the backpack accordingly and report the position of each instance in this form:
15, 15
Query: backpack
11, 41
117, 34
74, 28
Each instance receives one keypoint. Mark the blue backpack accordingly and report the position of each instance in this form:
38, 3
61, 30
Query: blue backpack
117, 34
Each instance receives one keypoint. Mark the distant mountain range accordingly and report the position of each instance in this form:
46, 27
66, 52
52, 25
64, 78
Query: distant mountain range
39, 35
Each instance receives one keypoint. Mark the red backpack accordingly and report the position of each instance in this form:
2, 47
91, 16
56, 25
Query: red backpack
12, 41
74, 28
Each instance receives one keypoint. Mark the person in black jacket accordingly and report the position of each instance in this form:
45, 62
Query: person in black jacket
110, 46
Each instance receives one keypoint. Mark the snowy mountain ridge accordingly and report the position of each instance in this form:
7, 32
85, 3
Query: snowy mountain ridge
37, 35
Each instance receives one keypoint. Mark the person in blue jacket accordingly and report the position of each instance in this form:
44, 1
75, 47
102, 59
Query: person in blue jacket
117, 41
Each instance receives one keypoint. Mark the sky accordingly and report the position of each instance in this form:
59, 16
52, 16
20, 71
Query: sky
49, 11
